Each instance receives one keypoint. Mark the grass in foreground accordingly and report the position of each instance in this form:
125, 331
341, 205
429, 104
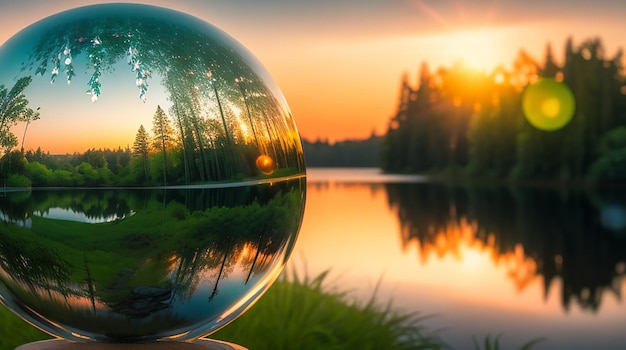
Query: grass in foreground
489, 343
15, 332
298, 313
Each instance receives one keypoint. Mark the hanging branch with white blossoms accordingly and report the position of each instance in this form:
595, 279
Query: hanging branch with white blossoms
95, 60
69, 66
66, 57
142, 74
55, 69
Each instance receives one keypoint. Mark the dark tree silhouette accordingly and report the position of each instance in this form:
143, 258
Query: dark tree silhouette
465, 123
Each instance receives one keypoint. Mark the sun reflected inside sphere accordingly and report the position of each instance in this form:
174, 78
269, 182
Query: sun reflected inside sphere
265, 164
154, 179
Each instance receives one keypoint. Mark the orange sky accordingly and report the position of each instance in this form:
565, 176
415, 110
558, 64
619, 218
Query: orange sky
339, 63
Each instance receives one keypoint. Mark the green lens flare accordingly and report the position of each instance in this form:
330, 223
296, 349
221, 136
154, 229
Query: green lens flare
548, 105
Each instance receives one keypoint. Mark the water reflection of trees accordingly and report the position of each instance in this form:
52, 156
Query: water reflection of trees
178, 245
38, 267
558, 234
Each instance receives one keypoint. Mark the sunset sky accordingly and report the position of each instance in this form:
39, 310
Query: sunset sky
339, 63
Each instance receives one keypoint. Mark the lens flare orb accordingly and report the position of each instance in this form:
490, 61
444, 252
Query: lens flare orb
548, 104
265, 164
140, 149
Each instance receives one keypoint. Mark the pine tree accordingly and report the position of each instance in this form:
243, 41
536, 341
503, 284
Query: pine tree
141, 148
550, 68
420, 122
397, 133
163, 136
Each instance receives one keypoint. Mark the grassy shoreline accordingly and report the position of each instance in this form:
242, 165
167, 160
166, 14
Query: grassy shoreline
300, 313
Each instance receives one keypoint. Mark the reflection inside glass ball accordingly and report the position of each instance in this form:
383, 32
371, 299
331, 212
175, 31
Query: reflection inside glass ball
265, 164
154, 179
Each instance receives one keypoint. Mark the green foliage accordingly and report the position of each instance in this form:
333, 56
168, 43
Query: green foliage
163, 139
165, 159
610, 164
12, 163
613, 140
298, 313
38, 173
105, 176
301, 313
141, 150
89, 175
63, 177
17, 180
95, 167
177, 210
157, 168
13, 109
15, 332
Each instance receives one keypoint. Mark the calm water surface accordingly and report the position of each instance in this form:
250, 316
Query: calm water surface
520, 262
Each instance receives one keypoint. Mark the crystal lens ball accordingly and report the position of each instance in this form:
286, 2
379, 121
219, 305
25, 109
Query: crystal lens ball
153, 179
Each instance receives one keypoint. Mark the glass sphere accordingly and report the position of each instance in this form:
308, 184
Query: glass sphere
153, 177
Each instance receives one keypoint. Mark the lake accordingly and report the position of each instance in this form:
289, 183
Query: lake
481, 260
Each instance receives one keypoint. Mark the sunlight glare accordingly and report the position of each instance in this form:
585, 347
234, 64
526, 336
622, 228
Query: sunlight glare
474, 258
499, 78
474, 48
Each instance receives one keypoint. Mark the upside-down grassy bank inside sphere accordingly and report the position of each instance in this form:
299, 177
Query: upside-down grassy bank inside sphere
134, 207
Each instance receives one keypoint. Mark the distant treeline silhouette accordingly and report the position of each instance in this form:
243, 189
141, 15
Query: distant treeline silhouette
461, 122
348, 153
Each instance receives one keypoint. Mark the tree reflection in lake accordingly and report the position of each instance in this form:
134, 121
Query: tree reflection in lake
576, 235
174, 259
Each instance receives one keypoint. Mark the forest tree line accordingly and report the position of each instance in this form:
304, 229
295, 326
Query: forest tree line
348, 153
157, 157
222, 121
461, 122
